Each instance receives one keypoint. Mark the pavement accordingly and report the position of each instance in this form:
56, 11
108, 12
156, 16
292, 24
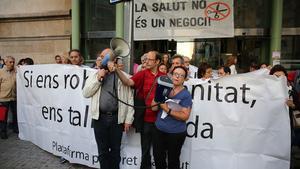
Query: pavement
295, 158
20, 154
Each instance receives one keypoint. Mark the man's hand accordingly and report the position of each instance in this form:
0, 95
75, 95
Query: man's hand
100, 74
126, 127
290, 104
111, 66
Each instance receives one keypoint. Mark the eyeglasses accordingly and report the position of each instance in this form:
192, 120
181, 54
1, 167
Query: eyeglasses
178, 75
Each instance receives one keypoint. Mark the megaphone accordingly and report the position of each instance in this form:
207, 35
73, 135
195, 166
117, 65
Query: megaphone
163, 89
118, 48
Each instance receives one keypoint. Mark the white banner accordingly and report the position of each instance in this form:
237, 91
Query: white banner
183, 19
237, 122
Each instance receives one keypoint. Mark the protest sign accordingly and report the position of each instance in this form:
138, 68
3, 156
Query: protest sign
239, 121
182, 19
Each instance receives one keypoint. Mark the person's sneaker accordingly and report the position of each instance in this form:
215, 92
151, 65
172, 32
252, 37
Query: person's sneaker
4, 135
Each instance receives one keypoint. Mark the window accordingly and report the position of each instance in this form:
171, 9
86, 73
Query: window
97, 27
252, 14
291, 13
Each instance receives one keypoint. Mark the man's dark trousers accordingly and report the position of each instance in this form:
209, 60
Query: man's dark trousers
108, 134
11, 105
147, 135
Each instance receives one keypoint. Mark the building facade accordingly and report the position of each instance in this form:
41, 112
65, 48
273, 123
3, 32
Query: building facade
41, 29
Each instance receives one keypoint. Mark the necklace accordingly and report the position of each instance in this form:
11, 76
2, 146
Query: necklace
174, 92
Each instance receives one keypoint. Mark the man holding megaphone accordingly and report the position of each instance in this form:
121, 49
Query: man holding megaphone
110, 118
119, 49
144, 81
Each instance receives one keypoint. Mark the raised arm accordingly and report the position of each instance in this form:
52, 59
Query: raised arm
125, 80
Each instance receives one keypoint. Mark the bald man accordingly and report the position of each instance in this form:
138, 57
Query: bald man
105, 52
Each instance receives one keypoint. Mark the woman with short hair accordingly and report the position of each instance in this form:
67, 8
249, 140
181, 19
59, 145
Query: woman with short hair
170, 124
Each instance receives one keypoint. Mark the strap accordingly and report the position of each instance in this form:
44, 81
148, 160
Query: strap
114, 87
141, 87
150, 89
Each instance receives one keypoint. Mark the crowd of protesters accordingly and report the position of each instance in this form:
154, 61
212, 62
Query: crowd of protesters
110, 118
155, 130
8, 93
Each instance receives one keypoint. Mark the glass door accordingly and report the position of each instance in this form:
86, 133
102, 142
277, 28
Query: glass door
207, 50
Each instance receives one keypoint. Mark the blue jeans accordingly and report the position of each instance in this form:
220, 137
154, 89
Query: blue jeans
108, 135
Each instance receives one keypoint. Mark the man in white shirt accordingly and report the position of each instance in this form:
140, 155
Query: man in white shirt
191, 68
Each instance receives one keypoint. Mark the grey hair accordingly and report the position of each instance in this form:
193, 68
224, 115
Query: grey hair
8, 57
178, 56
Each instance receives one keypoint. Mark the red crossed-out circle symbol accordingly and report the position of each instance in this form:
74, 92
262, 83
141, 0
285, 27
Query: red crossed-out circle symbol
217, 11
